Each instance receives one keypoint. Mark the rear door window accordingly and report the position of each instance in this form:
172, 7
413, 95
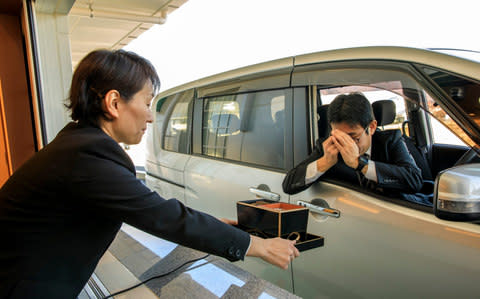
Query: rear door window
247, 127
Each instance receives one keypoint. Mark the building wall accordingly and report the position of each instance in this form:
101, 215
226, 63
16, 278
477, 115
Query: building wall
55, 69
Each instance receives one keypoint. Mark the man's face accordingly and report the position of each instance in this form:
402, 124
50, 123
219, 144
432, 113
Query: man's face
360, 135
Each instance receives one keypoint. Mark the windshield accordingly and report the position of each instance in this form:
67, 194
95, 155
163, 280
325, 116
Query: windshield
462, 53
463, 92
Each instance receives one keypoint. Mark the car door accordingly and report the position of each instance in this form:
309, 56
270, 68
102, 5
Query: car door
241, 146
168, 145
380, 246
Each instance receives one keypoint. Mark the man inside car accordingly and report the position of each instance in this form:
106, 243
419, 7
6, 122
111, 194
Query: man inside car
357, 153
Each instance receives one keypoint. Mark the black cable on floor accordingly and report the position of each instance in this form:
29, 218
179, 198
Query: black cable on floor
153, 277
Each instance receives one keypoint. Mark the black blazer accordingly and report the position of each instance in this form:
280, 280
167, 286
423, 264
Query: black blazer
395, 167
61, 210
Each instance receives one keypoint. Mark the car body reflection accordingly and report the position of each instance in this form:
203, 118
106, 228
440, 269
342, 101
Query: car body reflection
143, 255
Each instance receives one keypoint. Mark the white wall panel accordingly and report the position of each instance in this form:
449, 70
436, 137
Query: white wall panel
56, 69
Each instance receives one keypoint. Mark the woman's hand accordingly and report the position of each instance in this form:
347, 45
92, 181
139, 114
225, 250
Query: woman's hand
228, 221
277, 251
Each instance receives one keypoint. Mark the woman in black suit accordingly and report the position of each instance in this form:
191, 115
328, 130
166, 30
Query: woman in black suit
61, 210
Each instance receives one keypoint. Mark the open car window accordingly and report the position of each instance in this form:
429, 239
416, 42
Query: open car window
429, 123
373, 94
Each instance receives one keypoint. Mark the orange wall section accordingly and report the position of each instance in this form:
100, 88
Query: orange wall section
15, 89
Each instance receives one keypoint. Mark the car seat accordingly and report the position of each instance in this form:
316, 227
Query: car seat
225, 124
385, 113
322, 123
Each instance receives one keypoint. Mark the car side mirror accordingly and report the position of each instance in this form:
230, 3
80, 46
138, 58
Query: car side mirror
457, 193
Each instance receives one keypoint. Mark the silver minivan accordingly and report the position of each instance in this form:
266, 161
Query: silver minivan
233, 136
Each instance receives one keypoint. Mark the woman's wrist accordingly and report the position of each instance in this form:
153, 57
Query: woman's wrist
257, 247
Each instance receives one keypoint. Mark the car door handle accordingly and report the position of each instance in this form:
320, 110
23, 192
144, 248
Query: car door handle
265, 194
320, 210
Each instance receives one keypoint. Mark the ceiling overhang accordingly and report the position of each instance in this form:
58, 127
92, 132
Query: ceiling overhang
113, 24
107, 24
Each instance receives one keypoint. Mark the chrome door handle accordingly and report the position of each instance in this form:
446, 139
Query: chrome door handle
327, 211
265, 194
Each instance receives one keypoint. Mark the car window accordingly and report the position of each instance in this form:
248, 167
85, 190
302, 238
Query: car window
176, 133
464, 93
444, 129
392, 82
246, 127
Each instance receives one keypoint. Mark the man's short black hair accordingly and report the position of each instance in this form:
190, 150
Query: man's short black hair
352, 108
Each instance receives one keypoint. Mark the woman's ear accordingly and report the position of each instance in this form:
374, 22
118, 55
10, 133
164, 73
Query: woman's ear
110, 103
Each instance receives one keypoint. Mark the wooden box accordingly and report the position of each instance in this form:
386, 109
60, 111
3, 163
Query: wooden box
274, 219
270, 219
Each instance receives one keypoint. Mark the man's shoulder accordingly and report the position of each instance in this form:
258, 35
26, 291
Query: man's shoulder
387, 135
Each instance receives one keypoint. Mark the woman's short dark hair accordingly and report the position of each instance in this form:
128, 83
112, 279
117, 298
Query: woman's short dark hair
101, 71
353, 109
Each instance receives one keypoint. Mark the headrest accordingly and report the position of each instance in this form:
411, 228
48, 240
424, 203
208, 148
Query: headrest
224, 124
384, 111
323, 125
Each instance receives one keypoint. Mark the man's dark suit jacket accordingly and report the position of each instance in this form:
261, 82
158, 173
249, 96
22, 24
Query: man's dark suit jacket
395, 167
61, 210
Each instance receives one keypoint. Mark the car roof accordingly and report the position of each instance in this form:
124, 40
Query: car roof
446, 62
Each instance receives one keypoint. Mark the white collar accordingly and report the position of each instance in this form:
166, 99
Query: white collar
369, 151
